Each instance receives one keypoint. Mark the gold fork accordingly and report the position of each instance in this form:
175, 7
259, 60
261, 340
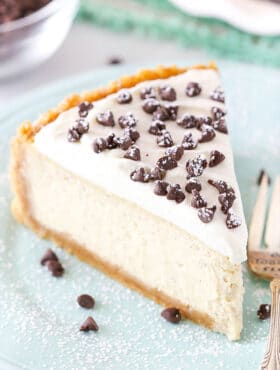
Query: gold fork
265, 262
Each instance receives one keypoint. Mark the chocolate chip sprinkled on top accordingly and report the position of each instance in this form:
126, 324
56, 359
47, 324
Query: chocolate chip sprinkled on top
140, 175
156, 127
73, 135
176, 152
132, 133
157, 173
172, 315
218, 95
127, 120
166, 162
203, 120
150, 105
133, 153
217, 113
206, 214
82, 126
187, 121
198, 200
147, 92
220, 125
161, 113
124, 97
89, 325
84, 107
172, 110
86, 301
99, 145
207, 134
111, 141
160, 187
216, 157
167, 93
49, 255
226, 200
55, 267
220, 185
164, 140
232, 220
193, 89
174, 192
106, 118
124, 142
192, 184
264, 311
196, 166
188, 142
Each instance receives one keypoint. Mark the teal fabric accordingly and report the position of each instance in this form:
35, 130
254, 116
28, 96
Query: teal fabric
160, 19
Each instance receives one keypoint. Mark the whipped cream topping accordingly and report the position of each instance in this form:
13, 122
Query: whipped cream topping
110, 170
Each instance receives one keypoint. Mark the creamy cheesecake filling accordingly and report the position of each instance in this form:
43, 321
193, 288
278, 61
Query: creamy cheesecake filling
111, 171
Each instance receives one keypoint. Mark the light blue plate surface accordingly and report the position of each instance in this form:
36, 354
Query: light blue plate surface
39, 317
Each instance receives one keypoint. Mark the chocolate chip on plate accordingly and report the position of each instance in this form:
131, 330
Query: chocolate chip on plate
99, 145
82, 126
216, 158
49, 255
133, 153
189, 143
220, 125
198, 201
124, 142
160, 187
89, 325
203, 120
176, 152
127, 120
172, 110
174, 192
193, 184
156, 127
140, 175
206, 214
261, 175
115, 61
232, 220
171, 314
84, 107
264, 311
187, 121
132, 133
111, 141
207, 134
193, 89
220, 185
73, 135
124, 96
161, 113
147, 92
217, 113
218, 95
196, 166
86, 301
226, 200
157, 173
106, 118
167, 163
167, 93
164, 140
55, 267
150, 105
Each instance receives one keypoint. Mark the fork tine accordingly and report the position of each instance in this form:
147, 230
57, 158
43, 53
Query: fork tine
272, 234
258, 217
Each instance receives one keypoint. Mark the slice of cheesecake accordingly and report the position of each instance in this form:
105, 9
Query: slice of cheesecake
138, 180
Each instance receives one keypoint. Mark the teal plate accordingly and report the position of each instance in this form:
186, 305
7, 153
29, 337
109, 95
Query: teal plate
39, 316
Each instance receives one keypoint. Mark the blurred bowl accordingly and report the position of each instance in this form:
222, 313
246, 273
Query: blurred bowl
28, 41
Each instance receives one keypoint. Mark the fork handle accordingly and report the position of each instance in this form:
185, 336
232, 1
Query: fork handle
271, 359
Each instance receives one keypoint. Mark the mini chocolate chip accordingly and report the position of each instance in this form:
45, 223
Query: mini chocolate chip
189, 143
172, 110
261, 175
232, 220
89, 325
124, 97
156, 127
226, 200
166, 163
150, 105
115, 60
124, 142
220, 185
84, 107
218, 95
133, 153
147, 92
217, 113
106, 118
160, 187
207, 134
206, 214
111, 141
167, 93
264, 311
157, 173
99, 145
174, 192
192, 184
82, 126
196, 166
171, 314
198, 201
187, 121
140, 175
220, 125
127, 120
86, 301
161, 113
193, 89
132, 133
203, 120
176, 152
165, 139
55, 267
216, 157
73, 135
49, 255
